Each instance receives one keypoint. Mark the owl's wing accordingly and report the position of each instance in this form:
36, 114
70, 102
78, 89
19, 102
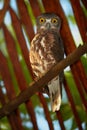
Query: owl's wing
55, 85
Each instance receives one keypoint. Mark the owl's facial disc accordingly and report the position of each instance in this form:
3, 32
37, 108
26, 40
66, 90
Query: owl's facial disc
48, 21
48, 24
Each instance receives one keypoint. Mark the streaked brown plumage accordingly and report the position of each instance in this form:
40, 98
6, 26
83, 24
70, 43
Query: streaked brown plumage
46, 50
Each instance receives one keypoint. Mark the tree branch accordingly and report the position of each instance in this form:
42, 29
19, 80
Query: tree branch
37, 86
3, 11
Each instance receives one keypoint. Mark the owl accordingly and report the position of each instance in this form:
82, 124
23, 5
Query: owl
46, 50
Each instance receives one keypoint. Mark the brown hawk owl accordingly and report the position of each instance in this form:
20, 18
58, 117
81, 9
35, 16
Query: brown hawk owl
46, 50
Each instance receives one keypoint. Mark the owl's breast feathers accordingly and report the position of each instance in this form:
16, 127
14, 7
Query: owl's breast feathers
46, 50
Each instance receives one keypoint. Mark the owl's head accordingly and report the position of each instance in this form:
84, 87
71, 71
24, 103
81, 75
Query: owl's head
48, 21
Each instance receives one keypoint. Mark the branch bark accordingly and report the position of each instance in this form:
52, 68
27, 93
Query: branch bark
37, 86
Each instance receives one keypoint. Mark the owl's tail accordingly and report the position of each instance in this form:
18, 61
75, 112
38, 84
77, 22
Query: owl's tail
55, 93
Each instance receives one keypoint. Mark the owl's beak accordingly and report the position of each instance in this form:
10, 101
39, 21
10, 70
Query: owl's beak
48, 26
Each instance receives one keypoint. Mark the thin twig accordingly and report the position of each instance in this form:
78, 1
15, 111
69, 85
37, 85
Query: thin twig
37, 86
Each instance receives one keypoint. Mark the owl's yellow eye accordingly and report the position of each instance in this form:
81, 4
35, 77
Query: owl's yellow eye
42, 20
54, 20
